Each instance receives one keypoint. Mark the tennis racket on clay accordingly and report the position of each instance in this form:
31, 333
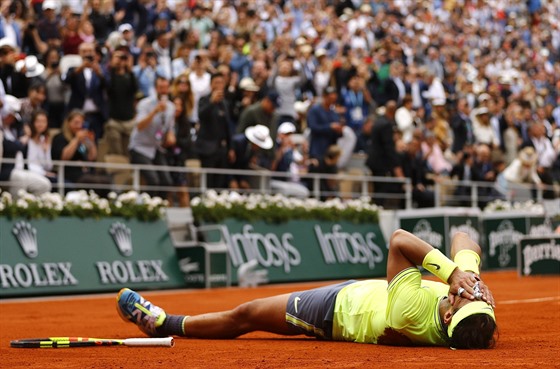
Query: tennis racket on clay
63, 342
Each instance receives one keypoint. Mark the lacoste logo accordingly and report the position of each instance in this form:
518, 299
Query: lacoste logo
249, 276
187, 266
435, 266
296, 300
122, 236
26, 235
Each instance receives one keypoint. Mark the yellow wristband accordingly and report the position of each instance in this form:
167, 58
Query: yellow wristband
438, 264
468, 261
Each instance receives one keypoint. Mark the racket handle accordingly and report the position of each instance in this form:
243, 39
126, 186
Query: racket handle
162, 342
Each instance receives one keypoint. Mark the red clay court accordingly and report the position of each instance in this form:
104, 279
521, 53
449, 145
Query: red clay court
528, 314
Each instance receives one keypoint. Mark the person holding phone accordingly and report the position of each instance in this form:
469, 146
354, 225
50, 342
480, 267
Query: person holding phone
77, 143
121, 93
153, 133
87, 85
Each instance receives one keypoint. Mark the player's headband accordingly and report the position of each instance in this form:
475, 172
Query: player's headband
476, 307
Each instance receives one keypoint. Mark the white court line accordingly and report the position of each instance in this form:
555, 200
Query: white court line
542, 299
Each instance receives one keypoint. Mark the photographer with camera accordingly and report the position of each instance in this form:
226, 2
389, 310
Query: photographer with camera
87, 85
121, 93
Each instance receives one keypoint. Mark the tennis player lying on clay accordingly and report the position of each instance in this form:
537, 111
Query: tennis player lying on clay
404, 311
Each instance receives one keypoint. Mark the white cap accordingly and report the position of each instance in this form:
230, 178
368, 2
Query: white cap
438, 102
125, 27
484, 97
6, 41
12, 105
301, 106
320, 52
248, 84
49, 4
286, 127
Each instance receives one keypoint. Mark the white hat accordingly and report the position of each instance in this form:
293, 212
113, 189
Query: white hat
248, 84
6, 41
12, 105
320, 52
32, 66
260, 136
300, 41
484, 97
482, 110
286, 127
49, 4
438, 102
306, 49
301, 106
125, 27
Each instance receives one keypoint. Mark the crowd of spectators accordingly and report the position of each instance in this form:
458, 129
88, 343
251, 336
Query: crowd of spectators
428, 90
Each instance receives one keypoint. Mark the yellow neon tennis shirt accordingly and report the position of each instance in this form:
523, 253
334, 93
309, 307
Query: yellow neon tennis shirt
405, 312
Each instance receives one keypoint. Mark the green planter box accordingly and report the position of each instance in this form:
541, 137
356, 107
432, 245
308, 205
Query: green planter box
70, 255
305, 250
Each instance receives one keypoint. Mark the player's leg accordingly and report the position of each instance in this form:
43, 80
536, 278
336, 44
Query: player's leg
266, 314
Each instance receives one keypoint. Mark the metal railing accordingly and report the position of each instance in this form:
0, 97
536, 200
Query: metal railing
445, 193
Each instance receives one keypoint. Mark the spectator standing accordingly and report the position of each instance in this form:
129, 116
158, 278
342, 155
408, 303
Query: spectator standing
355, 100
287, 159
286, 81
323, 72
48, 26
71, 39
213, 140
145, 71
414, 167
462, 127
153, 132
200, 80
55, 88
179, 153
101, 17
383, 160
324, 124
121, 93
87, 89
246, 95
405, 119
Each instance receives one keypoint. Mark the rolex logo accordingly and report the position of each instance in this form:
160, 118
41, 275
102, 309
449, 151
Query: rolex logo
26, 236
121, 235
